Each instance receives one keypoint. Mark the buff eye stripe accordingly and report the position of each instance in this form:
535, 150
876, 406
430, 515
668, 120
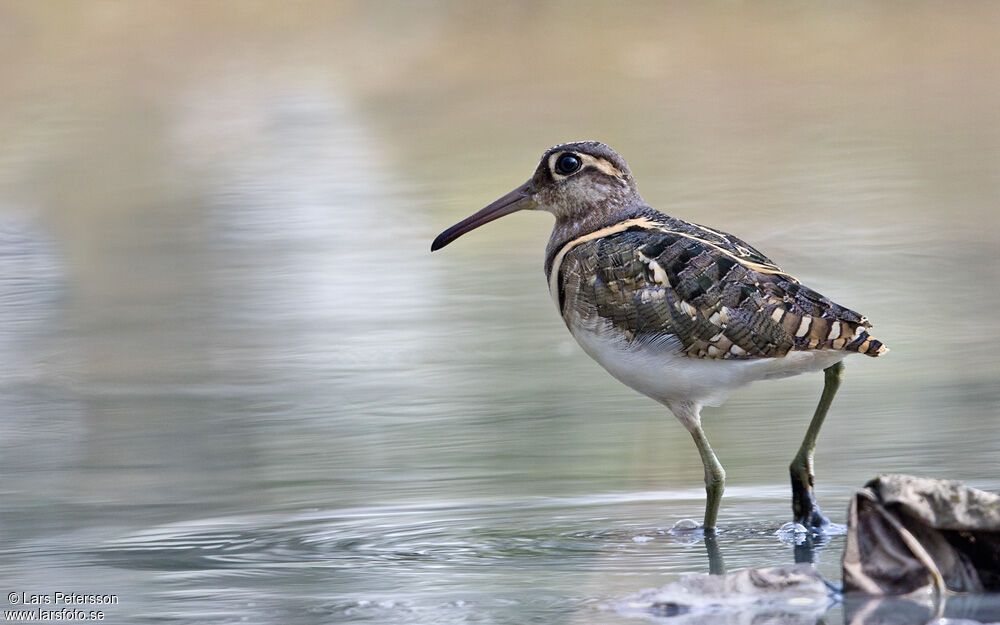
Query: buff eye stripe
600, 164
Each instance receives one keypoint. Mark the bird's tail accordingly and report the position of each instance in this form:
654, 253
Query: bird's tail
866, 344
847, 334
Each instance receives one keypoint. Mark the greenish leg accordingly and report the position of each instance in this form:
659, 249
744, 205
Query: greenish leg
804, 505
715, 477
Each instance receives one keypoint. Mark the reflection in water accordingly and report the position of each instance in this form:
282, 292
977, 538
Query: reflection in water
904, 611
238, 386
716, 562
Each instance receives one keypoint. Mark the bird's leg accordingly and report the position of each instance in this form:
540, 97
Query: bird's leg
689, 414
715, 477
804, 505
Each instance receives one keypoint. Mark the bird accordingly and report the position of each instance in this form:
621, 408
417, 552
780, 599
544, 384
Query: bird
682, 313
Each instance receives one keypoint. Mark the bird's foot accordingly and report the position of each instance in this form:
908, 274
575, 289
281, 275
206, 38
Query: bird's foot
814, 519
806, 509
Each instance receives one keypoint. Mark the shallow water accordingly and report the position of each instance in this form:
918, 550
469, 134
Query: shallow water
238, 387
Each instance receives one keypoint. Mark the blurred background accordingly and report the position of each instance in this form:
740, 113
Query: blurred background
237, 387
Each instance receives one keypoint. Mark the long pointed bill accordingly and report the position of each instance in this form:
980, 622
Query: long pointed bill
518, 199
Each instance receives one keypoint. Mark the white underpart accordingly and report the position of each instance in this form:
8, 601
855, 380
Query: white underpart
657, 369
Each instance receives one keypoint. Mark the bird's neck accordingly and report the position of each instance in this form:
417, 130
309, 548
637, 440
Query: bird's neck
568, 228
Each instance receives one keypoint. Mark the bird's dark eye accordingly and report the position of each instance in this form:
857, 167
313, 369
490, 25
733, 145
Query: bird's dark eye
567, 164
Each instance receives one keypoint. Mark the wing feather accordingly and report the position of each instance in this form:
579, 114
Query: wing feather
719, 297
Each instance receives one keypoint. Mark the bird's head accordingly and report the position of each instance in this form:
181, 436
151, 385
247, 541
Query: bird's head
572, 181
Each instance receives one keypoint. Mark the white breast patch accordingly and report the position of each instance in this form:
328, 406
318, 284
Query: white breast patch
657, 369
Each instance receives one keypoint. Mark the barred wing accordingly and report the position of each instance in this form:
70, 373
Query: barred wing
719, 297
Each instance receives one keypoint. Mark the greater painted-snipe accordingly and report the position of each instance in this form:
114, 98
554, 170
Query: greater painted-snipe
679, 312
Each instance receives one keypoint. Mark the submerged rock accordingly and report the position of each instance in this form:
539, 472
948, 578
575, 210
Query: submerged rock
912, 534
789, 595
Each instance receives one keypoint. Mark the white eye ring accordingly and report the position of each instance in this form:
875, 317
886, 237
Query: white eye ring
567, 164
